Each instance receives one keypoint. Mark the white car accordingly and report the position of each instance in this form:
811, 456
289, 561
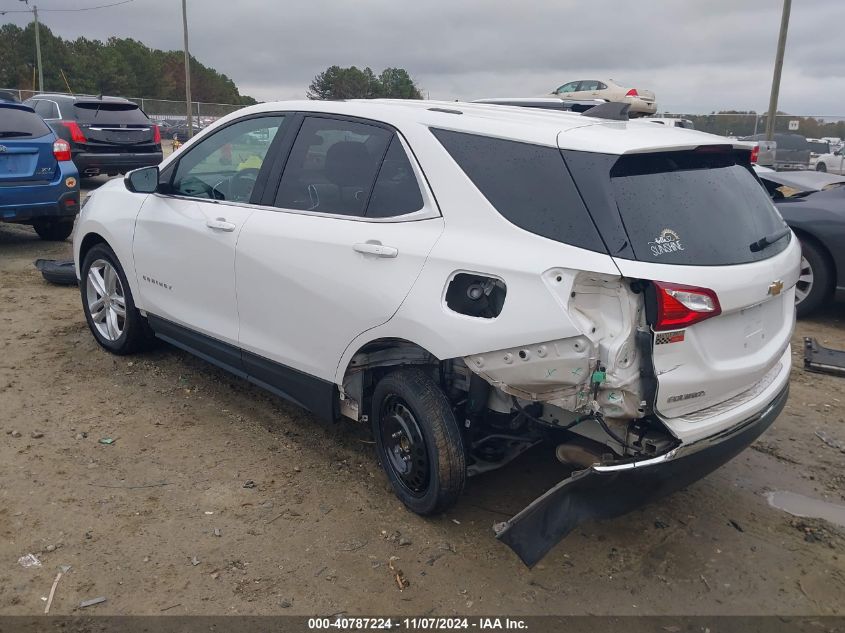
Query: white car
470, 280
833, 163
642, 102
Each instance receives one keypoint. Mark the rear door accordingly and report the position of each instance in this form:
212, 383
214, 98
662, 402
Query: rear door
690, 218
26, 147
334, 251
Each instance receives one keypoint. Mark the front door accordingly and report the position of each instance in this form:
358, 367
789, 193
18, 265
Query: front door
351, 228
185, 236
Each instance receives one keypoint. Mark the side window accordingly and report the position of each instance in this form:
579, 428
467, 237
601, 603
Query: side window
600, 86
572, 86
529, 185
51, 111
225, 165
332, 166
396, 191
589, 85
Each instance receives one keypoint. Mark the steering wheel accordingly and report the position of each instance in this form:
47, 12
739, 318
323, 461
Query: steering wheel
238, 186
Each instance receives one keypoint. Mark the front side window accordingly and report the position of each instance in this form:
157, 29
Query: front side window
333, 166
225, 165
572, 86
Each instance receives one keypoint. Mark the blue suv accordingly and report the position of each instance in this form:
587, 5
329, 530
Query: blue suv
39, 184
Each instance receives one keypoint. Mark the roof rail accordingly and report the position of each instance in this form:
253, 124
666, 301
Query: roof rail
545, 103
613, 110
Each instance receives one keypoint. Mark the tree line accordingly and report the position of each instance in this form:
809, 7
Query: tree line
742, 123
118, 66
353, 83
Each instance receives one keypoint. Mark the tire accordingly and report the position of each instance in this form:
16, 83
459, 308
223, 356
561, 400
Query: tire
408, 402
821, 167
52, 230
118, 334
815, 282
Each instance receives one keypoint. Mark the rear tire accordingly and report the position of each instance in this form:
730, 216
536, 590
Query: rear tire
821, 167
108, 304
53, 230
815, 282
418, 441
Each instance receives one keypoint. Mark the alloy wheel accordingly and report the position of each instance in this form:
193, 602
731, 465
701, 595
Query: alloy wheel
105, 299
805, 281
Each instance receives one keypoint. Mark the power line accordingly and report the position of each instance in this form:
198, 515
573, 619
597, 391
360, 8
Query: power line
102, 6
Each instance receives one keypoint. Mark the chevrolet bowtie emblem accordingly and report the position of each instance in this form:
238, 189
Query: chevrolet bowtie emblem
775, 288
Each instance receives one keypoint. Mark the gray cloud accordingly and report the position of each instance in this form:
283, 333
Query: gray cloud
697, 56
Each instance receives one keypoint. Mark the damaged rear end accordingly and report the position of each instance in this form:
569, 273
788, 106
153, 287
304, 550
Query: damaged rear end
681, 361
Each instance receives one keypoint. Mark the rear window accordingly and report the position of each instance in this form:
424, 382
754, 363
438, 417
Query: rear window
819, 147
17, 123
527, 184
699, 208
109, 113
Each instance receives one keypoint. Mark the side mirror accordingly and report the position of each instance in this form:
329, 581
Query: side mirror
144, 180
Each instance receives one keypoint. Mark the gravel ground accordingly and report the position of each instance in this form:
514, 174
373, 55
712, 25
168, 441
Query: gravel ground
216, 498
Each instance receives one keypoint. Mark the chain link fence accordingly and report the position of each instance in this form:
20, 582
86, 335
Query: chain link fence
157, 109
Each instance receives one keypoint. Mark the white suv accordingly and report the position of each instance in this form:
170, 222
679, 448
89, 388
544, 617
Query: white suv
471, 280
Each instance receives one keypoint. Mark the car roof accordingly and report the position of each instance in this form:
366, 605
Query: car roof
539, 126
80, 97
16, 106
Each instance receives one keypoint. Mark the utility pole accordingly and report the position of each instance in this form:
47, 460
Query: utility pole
773, 99
187, 70
37, 46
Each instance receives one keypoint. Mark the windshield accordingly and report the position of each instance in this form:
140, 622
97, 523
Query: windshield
18, 123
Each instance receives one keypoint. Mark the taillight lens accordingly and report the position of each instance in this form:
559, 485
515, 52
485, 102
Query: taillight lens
156, 135
61, 149
755, 154
680, 306
632, 93
76, 134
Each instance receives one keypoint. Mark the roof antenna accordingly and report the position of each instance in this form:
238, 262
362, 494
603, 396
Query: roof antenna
613, 110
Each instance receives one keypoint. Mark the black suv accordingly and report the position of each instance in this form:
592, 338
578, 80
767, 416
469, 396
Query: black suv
107, 135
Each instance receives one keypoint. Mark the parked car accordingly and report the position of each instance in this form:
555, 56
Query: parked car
832, 162
813, 205
39, 185
792, 151
382, 275
671, 122
107, 135
179, 131
641, 101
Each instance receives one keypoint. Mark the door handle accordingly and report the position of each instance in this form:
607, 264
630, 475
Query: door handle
220, 224
377, 249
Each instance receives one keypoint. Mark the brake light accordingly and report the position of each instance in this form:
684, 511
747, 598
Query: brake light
755, 154
76, 134
632, 93
156, 134
61, 149
680, 306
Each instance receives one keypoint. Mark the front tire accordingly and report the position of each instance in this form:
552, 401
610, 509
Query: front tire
815, 282
821, 167
108, 304
52, 230
418, 441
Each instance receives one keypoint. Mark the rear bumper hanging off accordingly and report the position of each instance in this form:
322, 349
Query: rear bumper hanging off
603, 492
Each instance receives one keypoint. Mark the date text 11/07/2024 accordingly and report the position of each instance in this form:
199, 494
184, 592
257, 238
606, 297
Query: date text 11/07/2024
422, 623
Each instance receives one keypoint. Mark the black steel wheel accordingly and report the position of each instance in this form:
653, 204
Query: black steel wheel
418, 440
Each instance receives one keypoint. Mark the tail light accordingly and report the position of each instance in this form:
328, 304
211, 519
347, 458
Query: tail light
755, 154
156, 134
61, 149
76, 134
680, 306
632, 93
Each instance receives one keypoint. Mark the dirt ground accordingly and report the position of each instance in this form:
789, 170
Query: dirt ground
217, 498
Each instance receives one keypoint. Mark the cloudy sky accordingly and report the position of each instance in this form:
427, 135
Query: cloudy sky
697, 55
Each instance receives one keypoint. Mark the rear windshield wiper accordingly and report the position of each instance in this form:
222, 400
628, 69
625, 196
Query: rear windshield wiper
7, 134
770, 239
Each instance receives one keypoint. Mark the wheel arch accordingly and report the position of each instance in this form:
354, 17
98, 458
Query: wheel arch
93, 238
805, 236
